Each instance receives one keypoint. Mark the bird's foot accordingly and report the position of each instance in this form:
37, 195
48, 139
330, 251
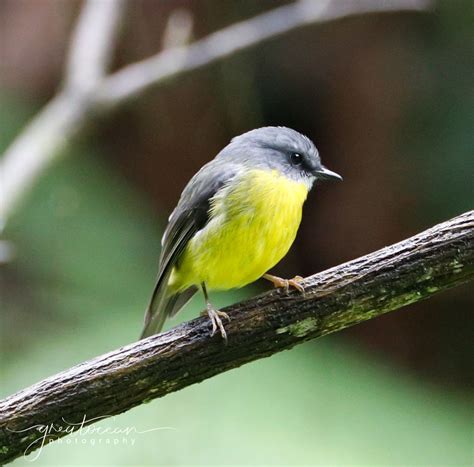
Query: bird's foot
215, 317
286, 283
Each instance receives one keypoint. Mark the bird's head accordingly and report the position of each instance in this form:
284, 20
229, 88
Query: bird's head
283, 149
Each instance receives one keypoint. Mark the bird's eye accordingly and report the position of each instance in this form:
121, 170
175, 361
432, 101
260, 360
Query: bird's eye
296, 159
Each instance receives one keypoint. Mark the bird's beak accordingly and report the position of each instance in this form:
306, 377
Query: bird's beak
325, 174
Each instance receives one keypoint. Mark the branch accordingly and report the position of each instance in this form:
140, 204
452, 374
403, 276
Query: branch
66, 114
178, 29
92, 44
414, 269
88, 92
134, 79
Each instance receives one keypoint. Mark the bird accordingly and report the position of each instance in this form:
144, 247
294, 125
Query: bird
235, 220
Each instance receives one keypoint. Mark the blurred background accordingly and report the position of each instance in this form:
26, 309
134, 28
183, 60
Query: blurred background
388, 100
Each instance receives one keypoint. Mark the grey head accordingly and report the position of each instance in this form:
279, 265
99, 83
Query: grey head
279, 148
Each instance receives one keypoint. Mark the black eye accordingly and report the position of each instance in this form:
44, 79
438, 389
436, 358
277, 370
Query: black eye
296, 159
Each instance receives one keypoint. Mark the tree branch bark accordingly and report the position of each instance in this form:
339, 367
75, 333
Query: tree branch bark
412, 270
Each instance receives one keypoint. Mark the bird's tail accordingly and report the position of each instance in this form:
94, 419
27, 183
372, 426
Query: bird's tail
163, 304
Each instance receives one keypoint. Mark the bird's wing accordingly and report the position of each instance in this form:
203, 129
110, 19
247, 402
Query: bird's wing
190, 216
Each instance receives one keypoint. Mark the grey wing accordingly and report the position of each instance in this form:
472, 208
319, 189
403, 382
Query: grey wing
190, 216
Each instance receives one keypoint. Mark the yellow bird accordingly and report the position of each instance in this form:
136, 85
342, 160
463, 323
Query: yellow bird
237, 217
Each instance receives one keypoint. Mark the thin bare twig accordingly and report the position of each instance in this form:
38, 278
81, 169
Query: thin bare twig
135, 79
178, 30
93, 44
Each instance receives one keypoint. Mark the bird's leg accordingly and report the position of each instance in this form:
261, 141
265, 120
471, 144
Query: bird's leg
215, 315
286, 283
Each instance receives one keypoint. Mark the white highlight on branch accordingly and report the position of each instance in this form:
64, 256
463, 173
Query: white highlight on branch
87, 90
93, 43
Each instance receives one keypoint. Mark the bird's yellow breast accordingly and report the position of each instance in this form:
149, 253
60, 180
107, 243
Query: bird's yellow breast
253, 222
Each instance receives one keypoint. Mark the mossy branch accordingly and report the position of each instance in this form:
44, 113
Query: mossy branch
407, 272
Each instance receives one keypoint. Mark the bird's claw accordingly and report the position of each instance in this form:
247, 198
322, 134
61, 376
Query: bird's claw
296, 283
286, 283
216, 321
